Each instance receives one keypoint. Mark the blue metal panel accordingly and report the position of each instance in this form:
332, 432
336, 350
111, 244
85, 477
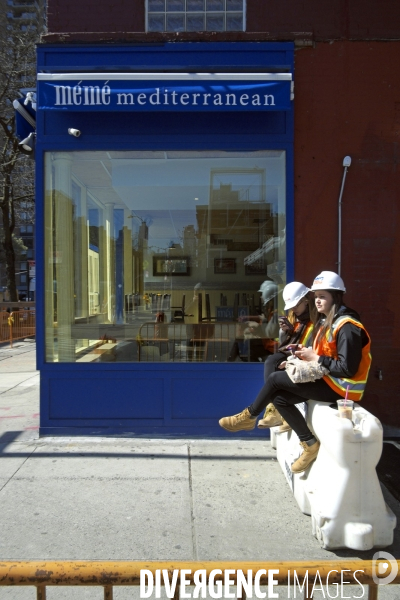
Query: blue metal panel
39, 248
191, 56
161, 131
144, 400
115, 396
154, 399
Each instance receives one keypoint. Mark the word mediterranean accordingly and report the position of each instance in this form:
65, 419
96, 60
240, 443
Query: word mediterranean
232, 583
94, 95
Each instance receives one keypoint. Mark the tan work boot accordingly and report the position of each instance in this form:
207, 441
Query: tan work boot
284, 427
243, 421
309, 454
271, 418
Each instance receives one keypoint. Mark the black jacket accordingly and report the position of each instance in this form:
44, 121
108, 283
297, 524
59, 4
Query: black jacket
350, 341
293, 337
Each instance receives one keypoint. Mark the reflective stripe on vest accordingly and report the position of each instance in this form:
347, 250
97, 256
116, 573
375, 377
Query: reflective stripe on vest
305, 337
327, 347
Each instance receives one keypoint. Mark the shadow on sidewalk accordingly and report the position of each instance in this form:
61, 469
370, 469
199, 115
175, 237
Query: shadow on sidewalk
9, 437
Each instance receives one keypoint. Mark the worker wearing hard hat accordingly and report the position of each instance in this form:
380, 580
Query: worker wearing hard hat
341, 345
296, 328
255, 338
269, 291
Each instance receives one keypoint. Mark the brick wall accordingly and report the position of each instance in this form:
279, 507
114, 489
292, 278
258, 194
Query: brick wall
333, 19
347, 103
95, 16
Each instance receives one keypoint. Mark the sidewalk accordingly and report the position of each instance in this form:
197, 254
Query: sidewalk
19, 392
126, 498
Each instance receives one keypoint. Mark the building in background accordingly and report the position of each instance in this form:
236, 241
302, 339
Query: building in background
24, 14
201, 171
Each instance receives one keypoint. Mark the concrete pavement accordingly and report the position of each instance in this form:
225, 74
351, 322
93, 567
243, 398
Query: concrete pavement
19, 392
127, 498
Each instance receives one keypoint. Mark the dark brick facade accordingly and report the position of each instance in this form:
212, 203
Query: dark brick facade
346, 103
335, 19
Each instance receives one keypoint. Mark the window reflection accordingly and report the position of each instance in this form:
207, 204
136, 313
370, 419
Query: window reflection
159, 256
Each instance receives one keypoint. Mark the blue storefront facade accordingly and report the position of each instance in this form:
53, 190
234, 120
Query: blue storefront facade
164, 200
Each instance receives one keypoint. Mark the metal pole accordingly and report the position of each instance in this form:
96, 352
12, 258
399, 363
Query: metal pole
373, 591
307, 590
10, 321
41, 592
346, 164
177, 592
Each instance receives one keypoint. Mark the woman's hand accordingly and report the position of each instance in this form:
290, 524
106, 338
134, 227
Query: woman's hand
282, 365
307, 354
284, 324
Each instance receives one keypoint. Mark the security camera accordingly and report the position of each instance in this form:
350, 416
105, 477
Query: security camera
27, 146
74, 132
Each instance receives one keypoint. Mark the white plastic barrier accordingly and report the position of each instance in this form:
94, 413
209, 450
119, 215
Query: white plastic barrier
340, 489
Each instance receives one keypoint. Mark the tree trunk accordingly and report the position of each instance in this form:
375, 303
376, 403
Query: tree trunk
8, 228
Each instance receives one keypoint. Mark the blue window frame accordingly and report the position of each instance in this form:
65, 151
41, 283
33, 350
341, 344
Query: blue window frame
100, 396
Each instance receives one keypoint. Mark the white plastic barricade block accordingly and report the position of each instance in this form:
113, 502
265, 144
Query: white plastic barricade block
340, 489
288, 450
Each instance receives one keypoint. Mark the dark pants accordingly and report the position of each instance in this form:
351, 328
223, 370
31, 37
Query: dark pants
272, 362
284, 394
251, 350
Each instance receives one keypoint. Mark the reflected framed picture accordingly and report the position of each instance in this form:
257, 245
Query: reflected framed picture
224, 266
258, 267
164, 265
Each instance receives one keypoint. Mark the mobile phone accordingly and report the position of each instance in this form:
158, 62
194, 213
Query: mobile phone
285, 321
292, 348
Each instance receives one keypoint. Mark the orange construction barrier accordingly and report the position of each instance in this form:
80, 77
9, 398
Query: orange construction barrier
17, 325
4, 326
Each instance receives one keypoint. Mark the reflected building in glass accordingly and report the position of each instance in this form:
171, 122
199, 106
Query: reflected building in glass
130, 235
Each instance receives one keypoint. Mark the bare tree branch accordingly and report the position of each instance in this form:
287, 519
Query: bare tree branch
17, 70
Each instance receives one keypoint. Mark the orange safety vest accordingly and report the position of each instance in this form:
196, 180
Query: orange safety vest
305, 336
327, 347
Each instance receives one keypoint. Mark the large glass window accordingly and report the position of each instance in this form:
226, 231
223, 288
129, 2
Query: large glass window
159, 256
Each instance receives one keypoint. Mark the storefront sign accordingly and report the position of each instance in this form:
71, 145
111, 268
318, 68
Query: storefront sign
165, 91
226, 313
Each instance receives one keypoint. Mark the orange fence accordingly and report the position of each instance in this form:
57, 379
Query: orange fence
17, 325
211, 576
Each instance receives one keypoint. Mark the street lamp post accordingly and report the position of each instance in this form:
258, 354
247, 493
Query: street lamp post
27, 282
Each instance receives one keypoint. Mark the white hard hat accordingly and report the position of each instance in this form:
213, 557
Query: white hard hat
268, 290
328, 280
293, 293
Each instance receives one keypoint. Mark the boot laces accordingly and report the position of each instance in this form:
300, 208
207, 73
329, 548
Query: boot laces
242, 416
